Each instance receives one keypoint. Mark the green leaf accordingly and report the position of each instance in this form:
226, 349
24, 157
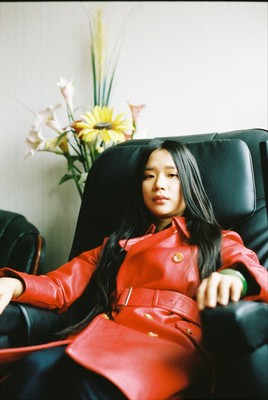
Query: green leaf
93, 63
65, 178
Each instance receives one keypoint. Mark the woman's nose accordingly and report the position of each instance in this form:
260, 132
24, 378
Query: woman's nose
160, 182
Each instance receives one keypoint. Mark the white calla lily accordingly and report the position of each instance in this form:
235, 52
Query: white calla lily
48, 117
67, 89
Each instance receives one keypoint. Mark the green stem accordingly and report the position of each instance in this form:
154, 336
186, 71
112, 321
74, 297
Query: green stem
70, 114
71, 168
134, 130
87, 160
80, 191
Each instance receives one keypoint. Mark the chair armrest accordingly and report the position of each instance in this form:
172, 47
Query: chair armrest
235, 327
12, 327
25, 325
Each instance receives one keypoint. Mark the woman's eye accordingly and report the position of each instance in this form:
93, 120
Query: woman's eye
148, 176
173, 175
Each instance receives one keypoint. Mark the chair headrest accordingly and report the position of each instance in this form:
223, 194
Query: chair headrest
228, 177
225, 167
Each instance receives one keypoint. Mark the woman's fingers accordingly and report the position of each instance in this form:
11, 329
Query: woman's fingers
218, 289
207, 291
236, 289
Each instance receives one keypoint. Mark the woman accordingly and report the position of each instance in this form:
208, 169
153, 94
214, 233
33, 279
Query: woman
145, 287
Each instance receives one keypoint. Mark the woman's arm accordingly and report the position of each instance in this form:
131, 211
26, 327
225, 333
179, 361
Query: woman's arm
240, 270
239, 258
57, 289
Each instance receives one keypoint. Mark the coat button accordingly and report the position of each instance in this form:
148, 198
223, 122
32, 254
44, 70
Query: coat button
149, 316
189, 331
178, 257
105, 316
152, 334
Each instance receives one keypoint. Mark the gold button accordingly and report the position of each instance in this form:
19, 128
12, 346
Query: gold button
149, 316
189, 331
105, 316
178, 257
152, 334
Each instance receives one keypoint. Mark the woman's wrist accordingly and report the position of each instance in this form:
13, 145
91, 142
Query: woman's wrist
234, 272
18, 288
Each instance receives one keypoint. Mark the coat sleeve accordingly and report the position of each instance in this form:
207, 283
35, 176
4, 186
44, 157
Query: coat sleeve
57, 289
236, 256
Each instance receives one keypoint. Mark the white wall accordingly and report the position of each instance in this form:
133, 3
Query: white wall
199, 66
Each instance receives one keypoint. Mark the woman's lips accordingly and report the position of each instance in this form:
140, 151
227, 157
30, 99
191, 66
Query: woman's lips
160, 199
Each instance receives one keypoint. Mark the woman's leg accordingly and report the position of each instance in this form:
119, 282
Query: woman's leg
33, 376
91, 386
52, 374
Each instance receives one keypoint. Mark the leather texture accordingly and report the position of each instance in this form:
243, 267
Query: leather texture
25, 325
21, 245
166, 299
236, 328
13, 327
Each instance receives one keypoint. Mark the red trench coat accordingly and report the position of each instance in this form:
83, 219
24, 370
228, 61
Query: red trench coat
152, 348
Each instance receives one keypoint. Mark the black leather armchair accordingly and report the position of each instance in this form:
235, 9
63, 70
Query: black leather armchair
234, 167
21, 245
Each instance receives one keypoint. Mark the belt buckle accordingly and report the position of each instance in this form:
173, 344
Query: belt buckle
128, 296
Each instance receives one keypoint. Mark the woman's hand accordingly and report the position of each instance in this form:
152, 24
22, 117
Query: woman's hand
219, 289
9, 288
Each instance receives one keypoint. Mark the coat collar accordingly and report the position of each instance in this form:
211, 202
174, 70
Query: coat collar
178, 225
178, 222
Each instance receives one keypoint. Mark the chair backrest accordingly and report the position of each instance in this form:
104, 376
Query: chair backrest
234, 169
21, 245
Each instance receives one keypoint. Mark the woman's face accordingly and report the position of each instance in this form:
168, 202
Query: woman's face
161, 188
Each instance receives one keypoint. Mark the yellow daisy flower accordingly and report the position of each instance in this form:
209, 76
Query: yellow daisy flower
100, 123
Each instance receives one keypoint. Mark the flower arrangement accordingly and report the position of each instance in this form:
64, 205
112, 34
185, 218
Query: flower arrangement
81, 140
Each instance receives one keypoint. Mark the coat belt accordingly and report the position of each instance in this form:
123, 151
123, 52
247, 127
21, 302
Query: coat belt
167, 299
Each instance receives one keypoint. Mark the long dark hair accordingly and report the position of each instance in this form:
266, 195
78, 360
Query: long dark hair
201, 224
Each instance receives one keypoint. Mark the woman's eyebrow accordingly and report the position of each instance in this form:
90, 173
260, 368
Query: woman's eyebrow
149, 168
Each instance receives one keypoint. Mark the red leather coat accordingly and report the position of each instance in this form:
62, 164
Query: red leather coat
152, 348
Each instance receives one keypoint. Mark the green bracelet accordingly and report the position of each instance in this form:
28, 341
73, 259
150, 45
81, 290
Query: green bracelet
239, 275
